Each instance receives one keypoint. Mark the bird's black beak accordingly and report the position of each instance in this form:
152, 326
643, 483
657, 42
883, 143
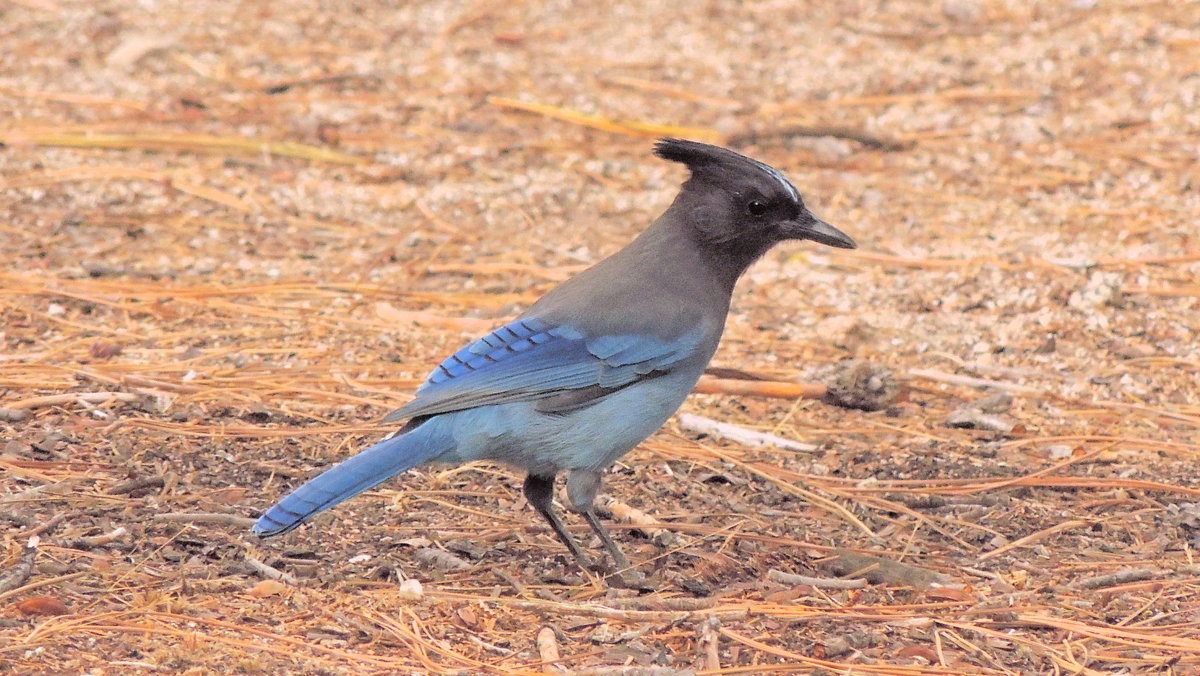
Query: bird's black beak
808, 226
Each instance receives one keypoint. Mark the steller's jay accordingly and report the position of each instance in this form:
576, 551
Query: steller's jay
597, 364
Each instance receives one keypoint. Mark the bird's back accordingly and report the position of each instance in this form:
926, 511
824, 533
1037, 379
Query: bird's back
658, 286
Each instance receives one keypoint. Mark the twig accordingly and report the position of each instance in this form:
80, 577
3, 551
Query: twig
206, 517
269, 572
547, 645
760, 388
24, 568
819, 582
985, 574
73, 398
623, 513
925, 501
95, 541
35, 492
969, 381
1113, 579
676, 603
46, 527
137, 484
714, 428
512, 581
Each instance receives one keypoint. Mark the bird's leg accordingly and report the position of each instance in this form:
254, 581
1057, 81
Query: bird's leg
613, 550
582, 486
539, 491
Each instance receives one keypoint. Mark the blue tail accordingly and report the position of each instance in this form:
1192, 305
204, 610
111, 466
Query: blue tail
350, 477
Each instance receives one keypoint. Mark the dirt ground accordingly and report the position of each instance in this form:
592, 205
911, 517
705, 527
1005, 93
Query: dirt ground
235, 234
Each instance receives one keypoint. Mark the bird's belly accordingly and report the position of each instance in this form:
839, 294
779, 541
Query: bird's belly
593, 437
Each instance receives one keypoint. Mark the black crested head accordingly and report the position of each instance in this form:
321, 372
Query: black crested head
741, 206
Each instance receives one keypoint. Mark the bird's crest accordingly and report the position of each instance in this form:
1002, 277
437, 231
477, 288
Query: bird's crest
701, 157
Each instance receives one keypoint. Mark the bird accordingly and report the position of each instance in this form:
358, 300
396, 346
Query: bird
597, 364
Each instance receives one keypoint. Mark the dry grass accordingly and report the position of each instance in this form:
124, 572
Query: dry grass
237, 233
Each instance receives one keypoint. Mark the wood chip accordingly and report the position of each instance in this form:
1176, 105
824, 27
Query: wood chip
697, 424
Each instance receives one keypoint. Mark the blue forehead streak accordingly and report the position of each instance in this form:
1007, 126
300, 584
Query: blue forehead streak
787, 185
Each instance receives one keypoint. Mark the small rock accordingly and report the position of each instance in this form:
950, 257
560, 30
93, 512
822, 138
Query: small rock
962, 11
441, 560
410, 590
13, 414
1059, 451
970, 417
997, 402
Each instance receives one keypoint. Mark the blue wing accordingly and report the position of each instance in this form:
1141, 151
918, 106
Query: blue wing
530, 359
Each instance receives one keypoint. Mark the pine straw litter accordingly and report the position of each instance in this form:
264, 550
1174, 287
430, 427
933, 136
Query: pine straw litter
236, 235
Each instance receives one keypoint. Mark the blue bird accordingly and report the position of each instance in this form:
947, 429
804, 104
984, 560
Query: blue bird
597, 364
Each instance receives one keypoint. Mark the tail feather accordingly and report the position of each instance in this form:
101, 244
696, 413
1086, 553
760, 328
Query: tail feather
348, 478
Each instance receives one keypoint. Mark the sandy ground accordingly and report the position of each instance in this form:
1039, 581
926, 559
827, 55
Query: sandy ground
235, 234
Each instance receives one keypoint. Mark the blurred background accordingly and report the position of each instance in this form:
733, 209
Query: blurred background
237, 233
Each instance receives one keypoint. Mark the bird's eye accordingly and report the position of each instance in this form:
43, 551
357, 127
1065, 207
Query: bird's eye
756, 208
